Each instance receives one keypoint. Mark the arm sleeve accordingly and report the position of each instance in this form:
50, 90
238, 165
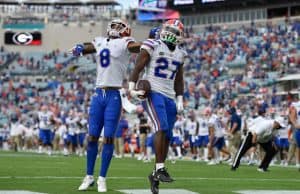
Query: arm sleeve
128, 40
184, 56
149, 46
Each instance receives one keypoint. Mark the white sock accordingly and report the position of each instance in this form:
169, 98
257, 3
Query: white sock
217, 155
149, 151
101, 178
178, 151
252, 156
205, 153
159, 166
171, 153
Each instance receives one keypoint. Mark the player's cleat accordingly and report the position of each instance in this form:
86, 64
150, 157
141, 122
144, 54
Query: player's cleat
147, 160
163, 176
154, 183
141, 157
101, 182
251, 163
233, 168
228, 159
65, 152
212, 162
87, 182
262, 170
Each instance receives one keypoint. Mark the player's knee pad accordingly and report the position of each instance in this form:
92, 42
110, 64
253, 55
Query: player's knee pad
108, 140
92, 138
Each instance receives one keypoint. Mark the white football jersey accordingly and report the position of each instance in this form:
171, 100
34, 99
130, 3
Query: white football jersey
44, 120
83, 123
191, 127
216, 123
113, 60
177, 132
179, 124
16, 129
72, 125
162, 68
284, 132
296, 105
263, 128
203, 126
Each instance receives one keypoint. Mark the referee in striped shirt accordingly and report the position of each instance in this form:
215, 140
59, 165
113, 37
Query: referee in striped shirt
261, 132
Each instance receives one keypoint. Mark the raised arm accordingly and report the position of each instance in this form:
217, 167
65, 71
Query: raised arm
82, 49
134, 47
89, 48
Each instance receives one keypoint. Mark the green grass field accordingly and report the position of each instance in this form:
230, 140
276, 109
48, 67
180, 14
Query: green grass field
59, 174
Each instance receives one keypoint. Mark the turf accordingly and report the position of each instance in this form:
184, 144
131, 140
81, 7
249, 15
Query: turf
62, 175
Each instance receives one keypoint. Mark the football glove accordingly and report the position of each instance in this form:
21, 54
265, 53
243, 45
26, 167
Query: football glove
77, 50
179, 104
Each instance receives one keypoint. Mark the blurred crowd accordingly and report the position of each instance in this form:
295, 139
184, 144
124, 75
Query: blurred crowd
57, 13
262, 54
259, 54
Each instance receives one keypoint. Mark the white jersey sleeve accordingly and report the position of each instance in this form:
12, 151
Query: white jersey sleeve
149, 45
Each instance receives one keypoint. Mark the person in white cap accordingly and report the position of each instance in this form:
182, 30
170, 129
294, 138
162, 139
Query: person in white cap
261, 132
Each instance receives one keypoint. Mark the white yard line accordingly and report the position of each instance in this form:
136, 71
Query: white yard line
138, 178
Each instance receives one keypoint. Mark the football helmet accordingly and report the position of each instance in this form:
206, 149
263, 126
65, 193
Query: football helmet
154, 33
118, 28
172, 31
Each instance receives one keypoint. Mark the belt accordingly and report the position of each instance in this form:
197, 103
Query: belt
109, 88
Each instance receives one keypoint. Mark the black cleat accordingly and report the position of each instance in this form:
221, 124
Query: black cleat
233, 168
163, 176
153, 184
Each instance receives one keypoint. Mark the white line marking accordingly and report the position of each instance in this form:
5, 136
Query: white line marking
138, 178
22, 154
18, 192
267, 192
30, 155
161, 191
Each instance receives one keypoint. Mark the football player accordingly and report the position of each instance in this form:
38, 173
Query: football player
203, 133
82, 129
163, 61
294, 118
72, 138
105, 109
192, 126
216, 137
45, 120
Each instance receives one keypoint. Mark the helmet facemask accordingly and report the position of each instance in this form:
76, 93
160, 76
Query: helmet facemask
171, 34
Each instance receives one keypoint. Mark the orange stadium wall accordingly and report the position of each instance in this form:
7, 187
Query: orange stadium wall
58, 36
